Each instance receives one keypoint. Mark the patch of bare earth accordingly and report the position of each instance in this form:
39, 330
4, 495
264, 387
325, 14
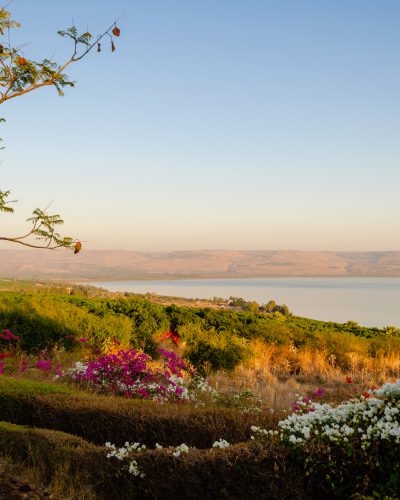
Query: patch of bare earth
12, 486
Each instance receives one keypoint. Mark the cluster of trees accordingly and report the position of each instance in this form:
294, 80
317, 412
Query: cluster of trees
254, 307
272, 307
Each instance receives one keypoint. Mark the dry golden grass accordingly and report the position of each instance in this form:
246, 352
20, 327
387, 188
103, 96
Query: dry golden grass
276, 374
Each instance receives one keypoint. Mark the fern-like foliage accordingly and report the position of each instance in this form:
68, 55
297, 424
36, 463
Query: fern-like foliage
4, 203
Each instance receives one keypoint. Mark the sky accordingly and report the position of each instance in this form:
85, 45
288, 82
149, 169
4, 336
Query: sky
234, 124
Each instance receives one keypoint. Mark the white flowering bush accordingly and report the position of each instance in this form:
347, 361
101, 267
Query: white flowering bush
200, 392
375, 416
126, 454
260, 433
354, 443
182, 448
247, 401
221, 443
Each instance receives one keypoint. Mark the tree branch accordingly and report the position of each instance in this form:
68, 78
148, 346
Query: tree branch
15, 240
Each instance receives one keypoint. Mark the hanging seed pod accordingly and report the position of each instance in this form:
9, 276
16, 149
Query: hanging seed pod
1, 49
77, 247
112, 46
116, 31
99, 47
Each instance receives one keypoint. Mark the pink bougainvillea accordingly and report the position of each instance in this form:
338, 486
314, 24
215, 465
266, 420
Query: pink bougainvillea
126, 373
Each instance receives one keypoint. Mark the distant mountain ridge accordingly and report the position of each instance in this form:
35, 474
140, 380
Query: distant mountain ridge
109, 265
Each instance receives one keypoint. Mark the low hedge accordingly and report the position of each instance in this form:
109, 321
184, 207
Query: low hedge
75, 468
78, 469
105, 418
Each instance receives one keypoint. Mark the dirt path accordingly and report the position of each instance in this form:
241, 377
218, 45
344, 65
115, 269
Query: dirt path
17, 488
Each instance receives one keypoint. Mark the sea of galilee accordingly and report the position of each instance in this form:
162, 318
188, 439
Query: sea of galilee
368, 301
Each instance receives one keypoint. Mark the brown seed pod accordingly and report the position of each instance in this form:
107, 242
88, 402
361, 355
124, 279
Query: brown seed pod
78, 246
1, 49
112, 46
99, 47
116, 31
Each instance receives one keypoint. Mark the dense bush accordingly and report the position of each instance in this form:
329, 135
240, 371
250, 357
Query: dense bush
127, 373
148, 320
42, 322
352, 447
211, 350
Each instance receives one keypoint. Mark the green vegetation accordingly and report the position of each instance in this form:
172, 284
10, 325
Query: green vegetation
25, 387
43, 322
58, 429
213, 338
7, 285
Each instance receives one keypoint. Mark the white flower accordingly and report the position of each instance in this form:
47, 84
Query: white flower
182, 448
368, 418
221, 443
123, 454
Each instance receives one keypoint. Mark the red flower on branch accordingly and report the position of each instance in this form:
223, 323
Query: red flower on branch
171, 336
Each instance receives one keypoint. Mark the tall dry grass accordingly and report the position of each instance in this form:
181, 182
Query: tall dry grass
277, 374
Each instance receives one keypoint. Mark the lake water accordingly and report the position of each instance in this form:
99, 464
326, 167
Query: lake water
369, 301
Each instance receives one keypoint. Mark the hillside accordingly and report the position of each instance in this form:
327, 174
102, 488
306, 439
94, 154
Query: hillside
228, 406
119, 265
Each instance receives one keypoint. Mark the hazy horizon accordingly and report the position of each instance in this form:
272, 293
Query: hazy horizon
218, 125
14, 247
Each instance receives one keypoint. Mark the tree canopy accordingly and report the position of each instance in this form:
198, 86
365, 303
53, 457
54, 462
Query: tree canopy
20, 76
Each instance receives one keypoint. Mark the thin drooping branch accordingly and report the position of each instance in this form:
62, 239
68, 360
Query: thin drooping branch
24, 243
43, 228
100, 37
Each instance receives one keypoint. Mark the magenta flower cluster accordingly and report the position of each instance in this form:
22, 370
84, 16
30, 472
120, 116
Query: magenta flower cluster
173, 362
128, 374
306, 404
44, 363
6, 336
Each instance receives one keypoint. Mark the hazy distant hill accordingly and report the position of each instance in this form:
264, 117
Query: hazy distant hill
118, 264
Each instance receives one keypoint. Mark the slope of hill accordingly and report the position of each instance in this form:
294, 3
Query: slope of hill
111, 265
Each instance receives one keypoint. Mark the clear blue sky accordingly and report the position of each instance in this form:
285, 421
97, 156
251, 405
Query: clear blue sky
251, 124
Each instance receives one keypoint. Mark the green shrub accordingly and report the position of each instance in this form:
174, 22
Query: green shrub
212, 350
42, 322
148, 320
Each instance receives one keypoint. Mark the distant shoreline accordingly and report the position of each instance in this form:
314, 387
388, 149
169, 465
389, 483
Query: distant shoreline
224, 277
371, 301
114, 265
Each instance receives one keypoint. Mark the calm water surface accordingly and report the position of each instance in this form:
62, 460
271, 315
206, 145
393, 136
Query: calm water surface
369, 301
